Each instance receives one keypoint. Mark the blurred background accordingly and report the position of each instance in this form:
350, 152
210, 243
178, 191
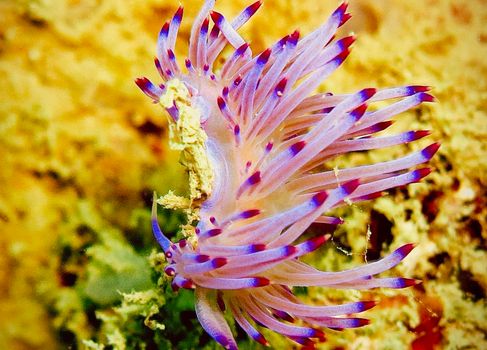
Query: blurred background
82, 149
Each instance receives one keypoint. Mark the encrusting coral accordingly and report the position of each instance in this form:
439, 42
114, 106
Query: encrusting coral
82, 151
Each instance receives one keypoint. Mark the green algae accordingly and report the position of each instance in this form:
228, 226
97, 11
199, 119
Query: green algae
114, 268
121, 298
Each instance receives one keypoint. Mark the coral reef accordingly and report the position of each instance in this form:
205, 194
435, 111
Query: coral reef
81, 148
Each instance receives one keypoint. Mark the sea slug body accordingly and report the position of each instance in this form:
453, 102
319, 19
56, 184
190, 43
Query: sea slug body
254, 138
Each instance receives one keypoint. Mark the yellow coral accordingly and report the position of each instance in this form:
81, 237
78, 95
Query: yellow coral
70, 117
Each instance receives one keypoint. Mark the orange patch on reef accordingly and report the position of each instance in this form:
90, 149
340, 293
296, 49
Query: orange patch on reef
428, 332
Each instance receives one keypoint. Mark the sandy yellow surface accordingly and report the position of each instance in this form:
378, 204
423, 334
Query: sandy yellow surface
82, 150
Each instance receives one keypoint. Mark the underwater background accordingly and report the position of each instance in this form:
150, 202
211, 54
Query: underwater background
82, 150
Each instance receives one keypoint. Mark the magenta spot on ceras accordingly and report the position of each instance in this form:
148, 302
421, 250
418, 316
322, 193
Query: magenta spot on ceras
419, 174
403, 251
157, 63
251, 180
268, 146
201, 258
237, 81
430, 151
241, 49
340, 14
425, 97
350, 186
204, 27
406, 282
289, 250
345, 18
359, 322
223, 341
178, 15
182, 243
358, 112
281, 85
293, 38
260, 282
319, 198
316, 242
367, 93
337, 221
170, 270
264, 57
236, 133
297, 147
171, 55
346, 42
413, 89
225, 92
213, 232
417, 134
214, 32
164, 31
188, 64
174, 286
247, 214
366, 305
283, 315
217, 18
283, 41
341, 56
248, 165
317, 333
254, 178
251, 9
340, 10
221, 103
143, 83
381, 126
188, 284
260, 339
219, 262
148, 88
255, 248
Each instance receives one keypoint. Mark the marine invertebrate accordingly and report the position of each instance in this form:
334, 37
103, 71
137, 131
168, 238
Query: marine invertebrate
254, 140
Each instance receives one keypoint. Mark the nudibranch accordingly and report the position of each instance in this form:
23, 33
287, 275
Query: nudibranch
254, 138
